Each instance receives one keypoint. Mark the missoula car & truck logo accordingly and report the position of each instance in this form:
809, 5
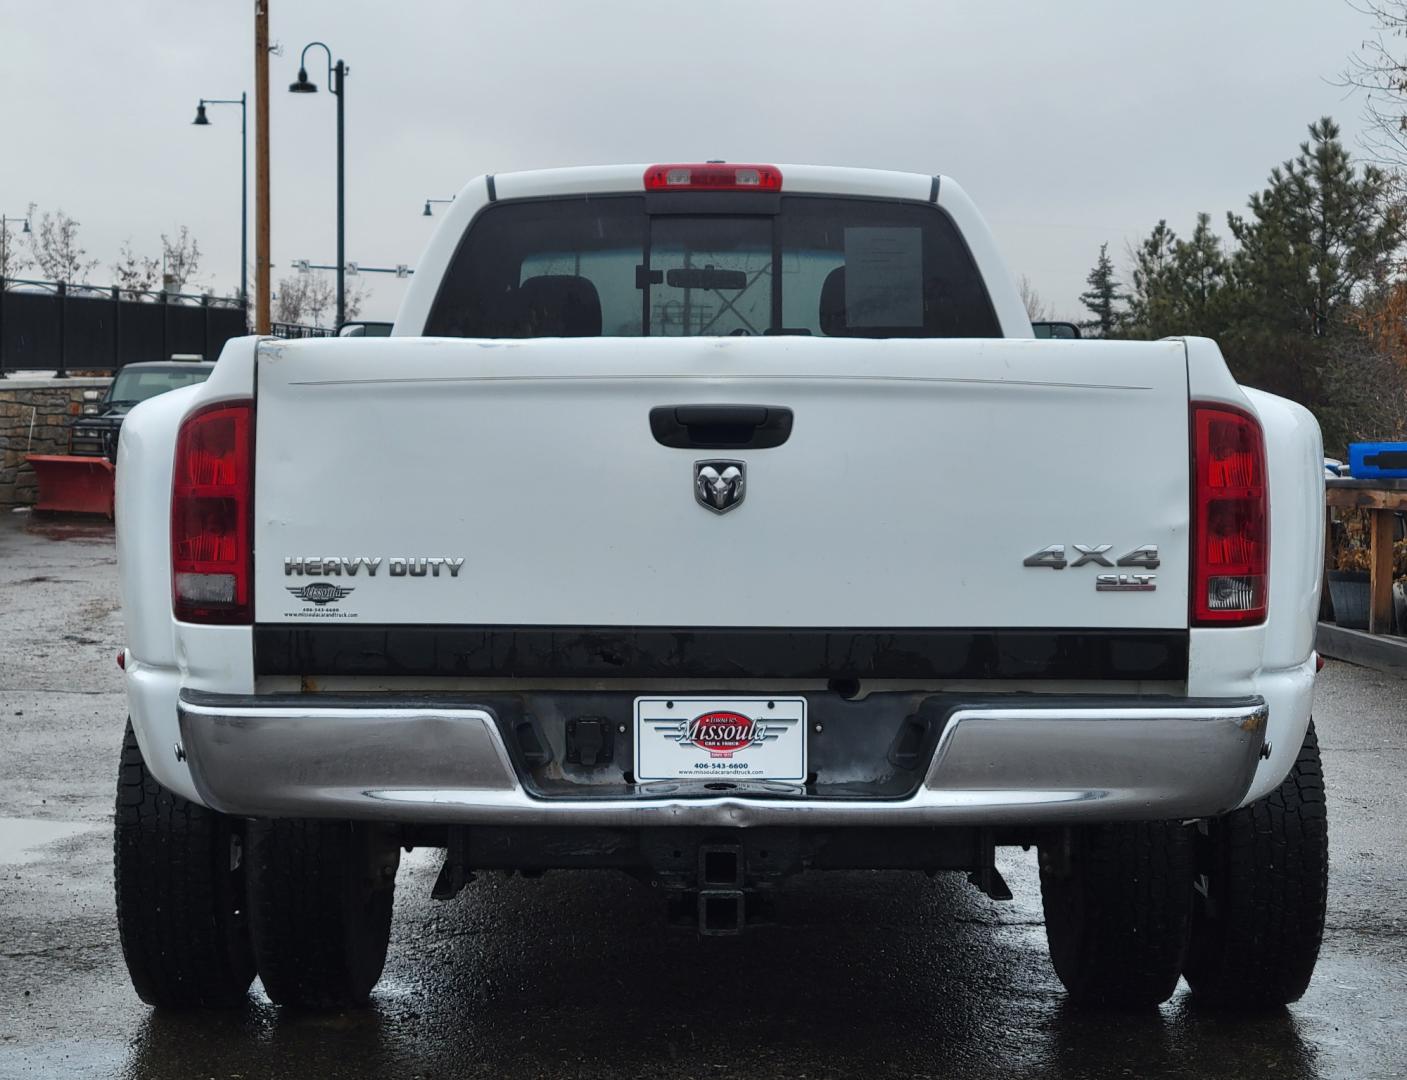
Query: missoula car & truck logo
722, 733
319, 592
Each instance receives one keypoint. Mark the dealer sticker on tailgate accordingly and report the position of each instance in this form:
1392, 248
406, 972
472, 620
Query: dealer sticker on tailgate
751, 738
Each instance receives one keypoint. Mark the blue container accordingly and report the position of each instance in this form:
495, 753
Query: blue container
1377, 460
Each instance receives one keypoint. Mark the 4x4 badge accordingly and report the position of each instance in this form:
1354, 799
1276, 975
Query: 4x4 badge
719, 485
1053, 557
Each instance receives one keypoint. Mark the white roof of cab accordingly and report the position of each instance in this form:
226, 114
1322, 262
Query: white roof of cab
169, 364
614, 179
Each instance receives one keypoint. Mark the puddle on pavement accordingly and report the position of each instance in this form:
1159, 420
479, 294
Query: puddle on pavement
20, 838
61, 526
71, 530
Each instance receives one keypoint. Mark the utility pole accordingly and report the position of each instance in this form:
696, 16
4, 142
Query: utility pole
340, 88
261, 167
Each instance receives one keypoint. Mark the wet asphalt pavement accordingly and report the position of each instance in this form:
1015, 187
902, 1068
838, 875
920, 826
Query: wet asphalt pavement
576, 975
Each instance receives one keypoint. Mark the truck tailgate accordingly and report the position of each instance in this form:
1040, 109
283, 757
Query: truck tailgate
918, 477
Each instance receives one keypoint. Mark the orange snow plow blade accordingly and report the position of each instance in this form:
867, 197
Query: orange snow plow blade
77, 485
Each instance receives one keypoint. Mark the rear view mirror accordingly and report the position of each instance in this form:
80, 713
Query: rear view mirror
707, 278
1063, 331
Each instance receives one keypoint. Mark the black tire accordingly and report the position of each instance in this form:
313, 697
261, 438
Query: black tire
320, 900
1258, 916
1118, 911
179, 876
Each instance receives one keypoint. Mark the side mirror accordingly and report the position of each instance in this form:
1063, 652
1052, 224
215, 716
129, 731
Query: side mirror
365, 329
1062, 331
92, 395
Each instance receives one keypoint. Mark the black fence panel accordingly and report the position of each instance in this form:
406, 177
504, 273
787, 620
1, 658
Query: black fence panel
141, 334
226, 323
185, 329
294, 331
29, 329
46, 326
88, 328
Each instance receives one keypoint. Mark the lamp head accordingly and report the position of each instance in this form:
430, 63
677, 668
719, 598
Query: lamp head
303, 86
200, 119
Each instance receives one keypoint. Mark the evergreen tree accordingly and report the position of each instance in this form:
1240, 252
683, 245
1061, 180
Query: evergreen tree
1306, 306
1317, 240
1179, 286
1103, 297
1317, 237
1202, 279
1151, 305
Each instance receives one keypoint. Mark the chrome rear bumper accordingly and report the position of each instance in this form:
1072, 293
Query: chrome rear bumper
410, 760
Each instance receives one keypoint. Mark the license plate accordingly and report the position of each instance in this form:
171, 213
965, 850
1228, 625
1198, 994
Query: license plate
751, 738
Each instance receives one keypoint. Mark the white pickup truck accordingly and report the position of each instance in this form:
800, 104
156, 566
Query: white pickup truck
717, 523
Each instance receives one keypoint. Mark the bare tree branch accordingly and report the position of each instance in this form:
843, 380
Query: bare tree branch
303, 299
1379, 71
54, 247
1037, 310
135, 274
180, 259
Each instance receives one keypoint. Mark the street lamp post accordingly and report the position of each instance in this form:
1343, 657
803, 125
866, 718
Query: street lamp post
4, 264
5, 236
429, 201
201, 121
336, 80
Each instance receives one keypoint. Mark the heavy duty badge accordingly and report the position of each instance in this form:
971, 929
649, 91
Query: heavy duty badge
351, 566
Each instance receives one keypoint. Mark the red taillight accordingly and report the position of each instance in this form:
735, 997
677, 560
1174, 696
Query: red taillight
1230, 518
212, 554
713, 176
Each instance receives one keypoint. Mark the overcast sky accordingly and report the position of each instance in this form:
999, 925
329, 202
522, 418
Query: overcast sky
1070, 123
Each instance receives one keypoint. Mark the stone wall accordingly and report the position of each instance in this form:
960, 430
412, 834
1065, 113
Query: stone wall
45, 405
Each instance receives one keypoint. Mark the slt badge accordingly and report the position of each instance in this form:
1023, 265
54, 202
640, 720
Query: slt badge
719, 485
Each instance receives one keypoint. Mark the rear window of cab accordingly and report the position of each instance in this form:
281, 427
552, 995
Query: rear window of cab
807, 265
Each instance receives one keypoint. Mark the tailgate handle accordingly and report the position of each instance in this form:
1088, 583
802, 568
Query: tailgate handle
721, 427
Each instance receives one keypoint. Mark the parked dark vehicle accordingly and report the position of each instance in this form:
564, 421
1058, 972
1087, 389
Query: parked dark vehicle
94, 433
